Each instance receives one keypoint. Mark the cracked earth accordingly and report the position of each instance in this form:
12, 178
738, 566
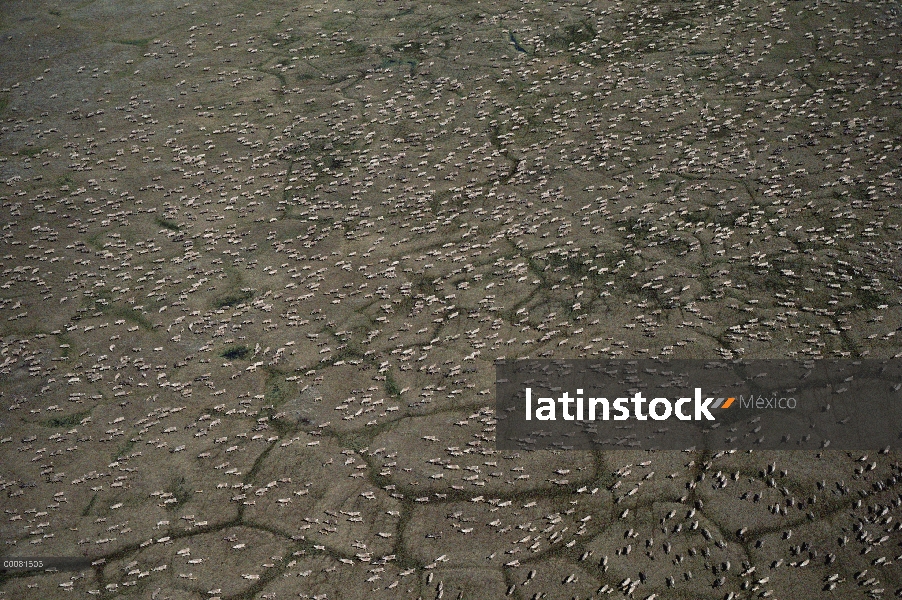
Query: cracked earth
258, 260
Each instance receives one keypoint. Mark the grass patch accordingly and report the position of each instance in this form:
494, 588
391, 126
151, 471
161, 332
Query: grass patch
236, 352
423, 285
64, 340
87, 510
391, 386
357, 440
390, 63
129, 314
167, 224
125, 448
181, 491
238, 297
282, 427
719, 133
347, 353
665, 20
354, 49
412, 46
574, 34
256, 468
516, 41
140, 42
770, 281
69, 420
32, 151
675, 246
709, 215
659, 21
565, 263
277, 389
93, 240
870, 299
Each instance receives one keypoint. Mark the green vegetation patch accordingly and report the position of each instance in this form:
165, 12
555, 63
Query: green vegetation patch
277, 389
236, 352
666, 19
390, 63
90, 505
232, 299
129, 314
93, 240
140, 42
167, 224
180, 490
870, 298
354, 49
32, 151
518, 45
282, 427
69, 420
411, 47
391, 386
574, 34
126, 447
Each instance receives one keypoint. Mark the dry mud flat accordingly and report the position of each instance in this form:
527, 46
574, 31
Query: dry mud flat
258, 260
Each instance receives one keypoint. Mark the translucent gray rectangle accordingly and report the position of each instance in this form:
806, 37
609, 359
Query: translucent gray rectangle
776, 404
44, 563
